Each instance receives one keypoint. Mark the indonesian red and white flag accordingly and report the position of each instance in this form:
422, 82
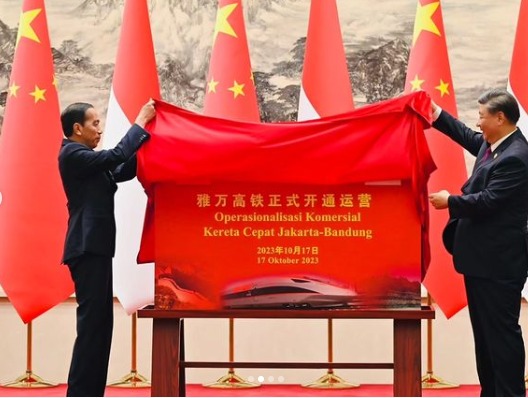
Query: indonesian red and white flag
33, 213
230, 89
135, 81
325, 86
429, 70
518, 80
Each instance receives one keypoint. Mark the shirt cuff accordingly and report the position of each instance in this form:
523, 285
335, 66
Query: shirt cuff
436, 114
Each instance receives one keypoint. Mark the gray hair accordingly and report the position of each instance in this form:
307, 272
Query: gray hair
497, 100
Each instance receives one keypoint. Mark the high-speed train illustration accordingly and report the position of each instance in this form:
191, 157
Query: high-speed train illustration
169, 295
287, 292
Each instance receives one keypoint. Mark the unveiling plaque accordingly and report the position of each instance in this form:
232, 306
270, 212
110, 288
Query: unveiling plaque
287, 246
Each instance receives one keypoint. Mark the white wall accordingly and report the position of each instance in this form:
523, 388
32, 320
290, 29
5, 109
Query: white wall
255, 340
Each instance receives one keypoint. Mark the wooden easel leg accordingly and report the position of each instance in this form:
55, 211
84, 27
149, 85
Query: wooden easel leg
407, 358
166, 346
182, 359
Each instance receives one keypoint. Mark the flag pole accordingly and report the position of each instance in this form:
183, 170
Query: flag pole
132, 379
231, 379
526, 376
29, 379
330, 380
430, 381
526, 381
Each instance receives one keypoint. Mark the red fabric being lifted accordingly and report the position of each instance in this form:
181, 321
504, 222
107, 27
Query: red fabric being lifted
379, 142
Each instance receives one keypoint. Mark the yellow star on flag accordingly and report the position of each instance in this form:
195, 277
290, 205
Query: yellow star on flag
55, 81
222, 25
252, 78
24, 28
443, 88
38, 94
416, 83
13, 89
424, 20
237, 89
211, 85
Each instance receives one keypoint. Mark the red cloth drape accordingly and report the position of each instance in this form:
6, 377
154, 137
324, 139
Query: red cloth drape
379, 142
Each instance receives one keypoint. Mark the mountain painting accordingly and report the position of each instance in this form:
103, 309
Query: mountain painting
84, 36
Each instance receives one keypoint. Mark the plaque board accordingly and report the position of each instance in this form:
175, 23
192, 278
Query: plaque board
240, 245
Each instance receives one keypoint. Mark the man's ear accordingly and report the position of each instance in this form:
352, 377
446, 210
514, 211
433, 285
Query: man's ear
77, 128
500, 117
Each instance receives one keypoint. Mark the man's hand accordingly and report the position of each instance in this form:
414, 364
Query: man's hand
439, 199
146, 113
434, 107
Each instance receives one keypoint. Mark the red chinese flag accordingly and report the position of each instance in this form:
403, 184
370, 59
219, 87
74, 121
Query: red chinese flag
325, 86
429, 70
230, 89
33, 215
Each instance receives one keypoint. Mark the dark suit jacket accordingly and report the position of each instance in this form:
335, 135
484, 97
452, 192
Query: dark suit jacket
89, 178
489, 238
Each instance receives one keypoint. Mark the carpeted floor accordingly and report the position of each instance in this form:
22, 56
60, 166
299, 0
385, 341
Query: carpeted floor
273, 390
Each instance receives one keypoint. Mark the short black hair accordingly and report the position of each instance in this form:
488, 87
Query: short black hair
74, 113
498, 100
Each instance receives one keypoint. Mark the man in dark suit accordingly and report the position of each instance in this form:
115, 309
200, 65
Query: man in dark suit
487, 236
89, 178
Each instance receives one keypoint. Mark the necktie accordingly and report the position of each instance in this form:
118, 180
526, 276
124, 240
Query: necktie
482, 160
486, 156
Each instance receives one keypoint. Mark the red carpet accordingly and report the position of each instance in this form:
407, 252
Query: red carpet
273, 390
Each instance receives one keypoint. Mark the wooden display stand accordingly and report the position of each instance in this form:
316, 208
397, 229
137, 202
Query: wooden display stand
168, 348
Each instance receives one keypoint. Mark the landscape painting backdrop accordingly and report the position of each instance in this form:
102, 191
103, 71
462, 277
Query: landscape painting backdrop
377, 37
